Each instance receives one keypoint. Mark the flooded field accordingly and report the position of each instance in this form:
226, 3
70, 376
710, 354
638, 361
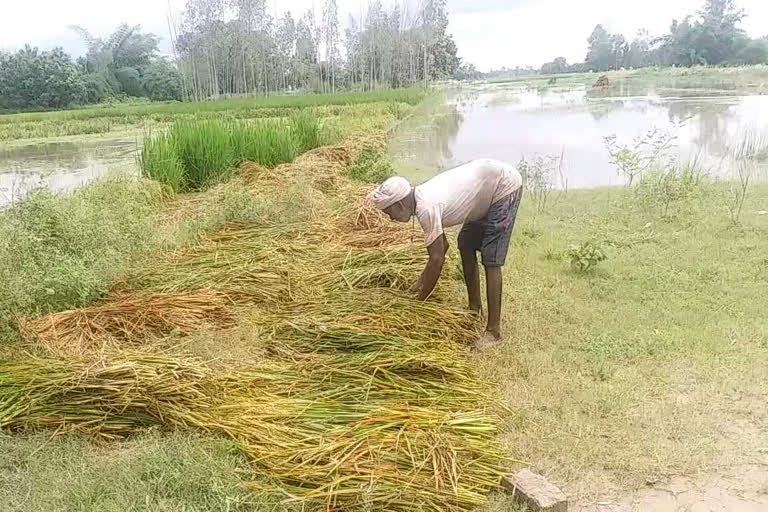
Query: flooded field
512, 122
504, 121
62, 165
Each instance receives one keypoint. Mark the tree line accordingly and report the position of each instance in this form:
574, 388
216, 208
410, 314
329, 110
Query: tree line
231, 47
235, 47
711, 37
126, 64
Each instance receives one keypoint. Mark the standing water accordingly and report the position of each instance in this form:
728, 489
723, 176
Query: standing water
513, 123
61, 166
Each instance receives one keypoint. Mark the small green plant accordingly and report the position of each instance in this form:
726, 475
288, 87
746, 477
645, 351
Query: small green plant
538, 177
586, 256
645, 152
750, 151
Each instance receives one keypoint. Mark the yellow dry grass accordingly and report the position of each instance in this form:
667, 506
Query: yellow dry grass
128, 319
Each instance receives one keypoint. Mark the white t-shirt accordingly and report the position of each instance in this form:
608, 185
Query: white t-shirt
463, 194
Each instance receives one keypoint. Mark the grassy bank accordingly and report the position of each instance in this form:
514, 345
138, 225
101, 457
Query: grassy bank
152, 472
640, 368
696, 81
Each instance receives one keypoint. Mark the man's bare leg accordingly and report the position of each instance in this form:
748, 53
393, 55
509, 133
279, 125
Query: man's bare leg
494, 284
492, 336
472, 279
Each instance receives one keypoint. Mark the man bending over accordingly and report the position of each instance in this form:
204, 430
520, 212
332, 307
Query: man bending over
483, 196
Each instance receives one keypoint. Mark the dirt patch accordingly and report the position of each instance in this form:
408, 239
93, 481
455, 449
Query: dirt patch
740, 489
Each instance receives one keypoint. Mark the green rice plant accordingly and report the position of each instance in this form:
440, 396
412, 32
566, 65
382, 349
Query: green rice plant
305, 130
149, 472
103, 119
195, 154
160, 161
205, 151
266, 142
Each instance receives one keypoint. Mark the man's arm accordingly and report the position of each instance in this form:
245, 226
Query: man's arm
431, 274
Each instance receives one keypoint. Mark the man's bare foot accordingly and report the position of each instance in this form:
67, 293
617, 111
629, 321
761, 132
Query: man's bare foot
487, 341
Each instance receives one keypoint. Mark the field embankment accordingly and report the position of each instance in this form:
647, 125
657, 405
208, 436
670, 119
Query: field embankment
274, 316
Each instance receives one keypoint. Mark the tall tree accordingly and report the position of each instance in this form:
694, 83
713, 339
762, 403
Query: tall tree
119, 60
332, 37
600, 56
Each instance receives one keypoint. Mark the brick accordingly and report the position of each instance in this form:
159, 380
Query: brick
536, 492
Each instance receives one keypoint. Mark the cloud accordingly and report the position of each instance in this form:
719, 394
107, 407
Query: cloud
489, 33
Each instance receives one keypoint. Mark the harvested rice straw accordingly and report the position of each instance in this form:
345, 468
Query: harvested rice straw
110, 398
241, 275
321, 443
377, 313
128, 319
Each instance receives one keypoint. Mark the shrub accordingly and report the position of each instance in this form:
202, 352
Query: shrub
676, 185
538, 178
646, 151
586, 256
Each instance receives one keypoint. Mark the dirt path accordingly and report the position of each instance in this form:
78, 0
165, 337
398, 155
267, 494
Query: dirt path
743, 489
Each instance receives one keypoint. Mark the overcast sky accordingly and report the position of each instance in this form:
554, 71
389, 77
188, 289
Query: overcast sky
490, 33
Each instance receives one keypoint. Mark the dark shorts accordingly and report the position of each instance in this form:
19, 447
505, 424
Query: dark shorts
491, 235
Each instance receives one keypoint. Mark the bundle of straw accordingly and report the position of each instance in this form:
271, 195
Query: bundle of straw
242, 274
128, 319
110, 399
360, 224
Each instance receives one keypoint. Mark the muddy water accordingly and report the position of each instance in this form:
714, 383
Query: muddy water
62, 166
511, 123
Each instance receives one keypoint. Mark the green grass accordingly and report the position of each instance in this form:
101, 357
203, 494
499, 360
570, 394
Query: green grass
62, 251
640, 368
153, 473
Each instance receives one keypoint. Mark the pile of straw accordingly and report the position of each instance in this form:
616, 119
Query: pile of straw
331, 432
360, 224
128, 319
